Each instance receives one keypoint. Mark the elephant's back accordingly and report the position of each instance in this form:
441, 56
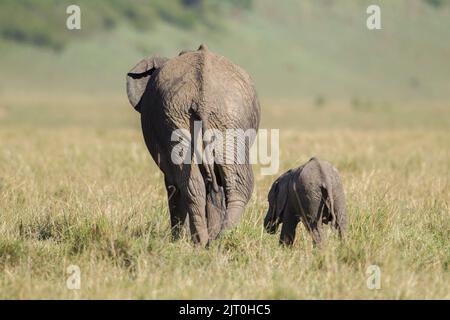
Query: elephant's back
211, 85
312, 176
317, 173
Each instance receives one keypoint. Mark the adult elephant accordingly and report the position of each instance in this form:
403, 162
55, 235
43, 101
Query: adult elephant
172, 94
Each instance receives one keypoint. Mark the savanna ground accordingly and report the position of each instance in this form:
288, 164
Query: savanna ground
78, 187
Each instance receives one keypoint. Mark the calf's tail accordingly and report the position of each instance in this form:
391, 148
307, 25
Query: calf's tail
327, 196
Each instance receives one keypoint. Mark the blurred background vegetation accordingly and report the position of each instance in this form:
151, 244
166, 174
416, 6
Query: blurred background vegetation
315, 52
39, 22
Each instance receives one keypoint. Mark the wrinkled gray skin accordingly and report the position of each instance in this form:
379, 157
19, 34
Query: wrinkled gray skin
313, 194
173, 93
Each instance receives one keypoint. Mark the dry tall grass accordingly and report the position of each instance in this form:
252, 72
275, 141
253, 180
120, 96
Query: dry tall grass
93, 198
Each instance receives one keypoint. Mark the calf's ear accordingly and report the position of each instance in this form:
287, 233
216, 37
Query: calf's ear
281, 198
138, 77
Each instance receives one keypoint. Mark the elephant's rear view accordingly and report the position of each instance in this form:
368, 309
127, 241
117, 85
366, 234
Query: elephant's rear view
312, 193
204, 179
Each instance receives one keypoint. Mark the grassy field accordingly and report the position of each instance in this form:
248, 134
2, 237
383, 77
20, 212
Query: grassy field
77, 187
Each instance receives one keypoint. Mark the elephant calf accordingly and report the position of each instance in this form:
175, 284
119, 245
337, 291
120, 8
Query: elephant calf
176, 95
312, 193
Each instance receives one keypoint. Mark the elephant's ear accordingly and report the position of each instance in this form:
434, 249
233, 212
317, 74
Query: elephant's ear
139, 76
278, 195
282, 198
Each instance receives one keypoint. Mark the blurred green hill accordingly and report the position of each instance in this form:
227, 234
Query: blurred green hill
319, 51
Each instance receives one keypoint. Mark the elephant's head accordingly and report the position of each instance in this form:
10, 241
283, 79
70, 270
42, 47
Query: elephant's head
139, 76
277, 198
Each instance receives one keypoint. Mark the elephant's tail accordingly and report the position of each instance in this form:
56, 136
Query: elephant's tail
208, 164
327, 196
300, 205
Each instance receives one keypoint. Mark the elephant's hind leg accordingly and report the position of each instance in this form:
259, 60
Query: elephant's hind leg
238, 189
178, 211
290, 223
313, 214
194, 196
341, 219
316, 234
